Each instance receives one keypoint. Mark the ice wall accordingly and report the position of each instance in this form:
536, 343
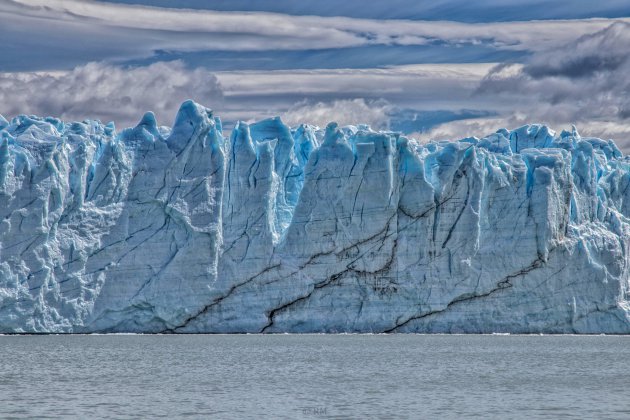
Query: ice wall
274, 229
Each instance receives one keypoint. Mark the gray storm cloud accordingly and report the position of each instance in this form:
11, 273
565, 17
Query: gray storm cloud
587, 79
585, 82
607, 50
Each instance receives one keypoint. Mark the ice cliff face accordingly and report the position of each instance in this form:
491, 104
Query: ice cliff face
308, 230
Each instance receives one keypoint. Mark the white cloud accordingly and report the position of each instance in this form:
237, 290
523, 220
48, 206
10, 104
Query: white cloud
320, 96
261, 94
350, 96
156, 28
107, 92
344, 112
427, 78
474, 127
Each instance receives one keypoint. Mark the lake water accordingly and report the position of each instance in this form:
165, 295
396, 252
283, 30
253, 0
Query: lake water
315, 376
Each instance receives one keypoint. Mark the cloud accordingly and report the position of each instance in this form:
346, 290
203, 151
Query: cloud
604, 51
379, 114
108, 92
344, 112
474, 127
458, 10
122, 94
406, 95
585, 82
388, 80
409, 97
254, 94
586, 78
135, 31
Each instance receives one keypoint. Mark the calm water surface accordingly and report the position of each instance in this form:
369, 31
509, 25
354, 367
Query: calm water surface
314, 376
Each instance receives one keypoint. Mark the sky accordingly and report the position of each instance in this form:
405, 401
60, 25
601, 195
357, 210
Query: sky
433, 70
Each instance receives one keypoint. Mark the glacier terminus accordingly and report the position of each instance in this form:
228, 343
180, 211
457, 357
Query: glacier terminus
279, 229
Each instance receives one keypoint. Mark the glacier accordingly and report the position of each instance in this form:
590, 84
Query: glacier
276, 229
